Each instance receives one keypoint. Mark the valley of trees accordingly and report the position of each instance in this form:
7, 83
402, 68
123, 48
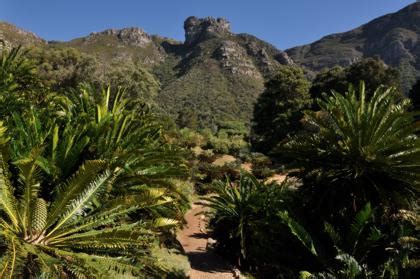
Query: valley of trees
95, 176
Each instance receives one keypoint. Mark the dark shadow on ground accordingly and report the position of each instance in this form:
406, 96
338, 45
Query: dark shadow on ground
207, 261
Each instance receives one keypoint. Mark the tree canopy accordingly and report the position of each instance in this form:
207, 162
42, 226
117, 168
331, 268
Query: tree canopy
279, 108
373, 71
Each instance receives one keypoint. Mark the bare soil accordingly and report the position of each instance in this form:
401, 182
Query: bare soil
205, 264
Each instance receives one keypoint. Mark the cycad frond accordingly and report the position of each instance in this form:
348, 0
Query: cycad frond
372, 141
30, 180
359, 223
8, 201
299, 231
74, 187
78, 204
164, 222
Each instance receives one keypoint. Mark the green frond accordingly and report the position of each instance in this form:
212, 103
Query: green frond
164, 222
86, 174
299, 231
81, 200
352, 267
360, 221
8, 261
105, 217
29, 177
8, 201
333, 234
126, 236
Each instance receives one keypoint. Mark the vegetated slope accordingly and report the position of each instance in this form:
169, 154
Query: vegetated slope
394, 38
215, 75
212, 77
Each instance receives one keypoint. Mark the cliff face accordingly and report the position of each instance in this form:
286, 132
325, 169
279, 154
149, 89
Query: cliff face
201, 29
394, 38
217, 74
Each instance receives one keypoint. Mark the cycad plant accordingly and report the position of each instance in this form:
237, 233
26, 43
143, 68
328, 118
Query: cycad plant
92, 125
83, 232
361, 151
119, 130
234, 206
244, 219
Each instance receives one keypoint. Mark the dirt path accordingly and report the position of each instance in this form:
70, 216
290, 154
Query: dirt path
204, 263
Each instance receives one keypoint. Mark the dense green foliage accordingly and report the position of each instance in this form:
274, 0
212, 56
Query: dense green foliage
88, 181
353, 212
368, 148
95, 180
372, 70
251, 223
18, 81
61, 68
279, 108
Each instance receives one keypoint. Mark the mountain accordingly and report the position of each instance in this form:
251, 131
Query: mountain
215, 76
212, 77
395, 38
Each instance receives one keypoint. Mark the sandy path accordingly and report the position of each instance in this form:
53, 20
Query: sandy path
204, 264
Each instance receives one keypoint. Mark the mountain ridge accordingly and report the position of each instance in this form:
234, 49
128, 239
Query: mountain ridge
393, 37
215, 74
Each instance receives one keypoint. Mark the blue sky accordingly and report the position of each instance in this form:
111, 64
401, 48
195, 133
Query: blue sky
284, 23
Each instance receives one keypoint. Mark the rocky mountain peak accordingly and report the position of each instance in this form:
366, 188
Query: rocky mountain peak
199, 29
133, 36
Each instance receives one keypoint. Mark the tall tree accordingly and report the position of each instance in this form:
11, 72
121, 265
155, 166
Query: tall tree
279, 109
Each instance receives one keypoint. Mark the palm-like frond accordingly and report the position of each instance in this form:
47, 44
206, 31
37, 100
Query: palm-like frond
358, 142
8, 201
359, 223
74, 187
79, 203
240, 205
73, 235
299, 231
87, 169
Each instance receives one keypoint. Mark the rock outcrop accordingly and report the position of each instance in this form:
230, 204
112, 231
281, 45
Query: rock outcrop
132, 36
201, 29
234, 58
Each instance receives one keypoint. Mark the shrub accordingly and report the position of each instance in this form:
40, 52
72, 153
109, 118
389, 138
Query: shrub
246, 221
363, 151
